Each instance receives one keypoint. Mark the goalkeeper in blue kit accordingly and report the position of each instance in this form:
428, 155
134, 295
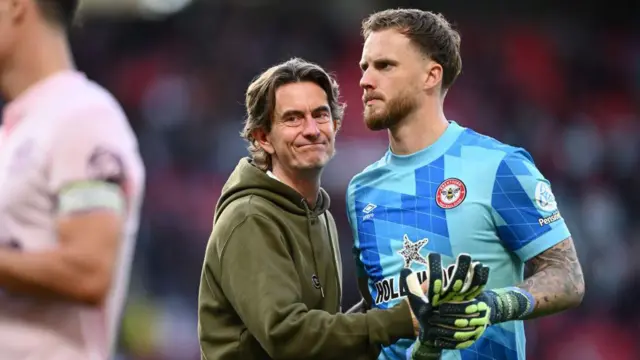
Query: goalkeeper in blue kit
444, 190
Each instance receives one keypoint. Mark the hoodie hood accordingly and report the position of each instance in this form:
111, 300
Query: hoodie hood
246, 179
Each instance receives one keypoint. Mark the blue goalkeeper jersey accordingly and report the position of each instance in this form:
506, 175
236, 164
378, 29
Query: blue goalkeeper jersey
466, 193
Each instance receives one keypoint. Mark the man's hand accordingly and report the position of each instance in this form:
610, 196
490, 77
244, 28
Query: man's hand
464, 279
462, 312
450, 330
422, 306
555, 285
432, 287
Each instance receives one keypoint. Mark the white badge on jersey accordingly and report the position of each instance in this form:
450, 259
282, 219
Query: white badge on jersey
451, 193
544, 198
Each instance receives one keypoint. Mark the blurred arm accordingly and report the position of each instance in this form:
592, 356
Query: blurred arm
79, 269
88, 177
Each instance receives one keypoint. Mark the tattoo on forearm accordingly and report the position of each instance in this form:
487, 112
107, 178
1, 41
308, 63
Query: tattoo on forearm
556, 280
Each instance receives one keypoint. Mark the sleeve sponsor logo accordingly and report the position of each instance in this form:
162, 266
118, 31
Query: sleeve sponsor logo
106, 165
550, 219
544, 198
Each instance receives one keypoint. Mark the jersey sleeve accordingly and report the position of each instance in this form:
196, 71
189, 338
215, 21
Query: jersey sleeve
524, 208
353, 223
89, 160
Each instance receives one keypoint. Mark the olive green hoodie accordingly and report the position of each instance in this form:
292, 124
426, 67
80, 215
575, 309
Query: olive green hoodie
271, 282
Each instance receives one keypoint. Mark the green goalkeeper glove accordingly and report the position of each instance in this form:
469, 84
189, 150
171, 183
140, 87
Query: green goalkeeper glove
466, 279
497, 306
422, 305
508, 304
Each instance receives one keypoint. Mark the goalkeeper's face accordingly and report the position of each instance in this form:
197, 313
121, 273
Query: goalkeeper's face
303, 132
392, 78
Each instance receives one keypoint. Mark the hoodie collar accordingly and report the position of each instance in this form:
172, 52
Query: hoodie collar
247, 179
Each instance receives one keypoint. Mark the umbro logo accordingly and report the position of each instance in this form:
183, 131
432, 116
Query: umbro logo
368, 211
369, 208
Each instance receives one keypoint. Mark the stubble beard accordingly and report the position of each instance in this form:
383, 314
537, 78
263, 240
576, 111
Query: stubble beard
396, 109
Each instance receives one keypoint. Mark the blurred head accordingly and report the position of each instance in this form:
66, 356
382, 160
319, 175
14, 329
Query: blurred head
17, 16
293, 114
408, 55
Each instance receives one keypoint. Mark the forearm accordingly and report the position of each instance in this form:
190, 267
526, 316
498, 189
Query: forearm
554, 289
556, 284
325, 336
279, 317
48, 274
272, 308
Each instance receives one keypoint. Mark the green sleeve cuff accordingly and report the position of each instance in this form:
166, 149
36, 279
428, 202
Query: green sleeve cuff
386, 326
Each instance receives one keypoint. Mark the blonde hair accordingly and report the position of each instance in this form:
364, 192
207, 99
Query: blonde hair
430, 32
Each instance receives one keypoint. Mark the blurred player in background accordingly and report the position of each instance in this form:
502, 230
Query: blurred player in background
71, 182
447, 189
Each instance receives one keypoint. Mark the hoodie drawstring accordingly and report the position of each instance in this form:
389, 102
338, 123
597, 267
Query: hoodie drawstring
313, 251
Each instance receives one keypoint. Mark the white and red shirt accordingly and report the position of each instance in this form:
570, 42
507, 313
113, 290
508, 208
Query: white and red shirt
62, 130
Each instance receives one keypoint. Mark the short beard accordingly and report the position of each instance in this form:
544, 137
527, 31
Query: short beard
396, 110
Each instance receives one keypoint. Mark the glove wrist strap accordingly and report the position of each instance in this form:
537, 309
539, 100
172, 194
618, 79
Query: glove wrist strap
509, 303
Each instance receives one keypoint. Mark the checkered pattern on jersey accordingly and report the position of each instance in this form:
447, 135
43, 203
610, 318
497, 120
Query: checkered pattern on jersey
515, 206
381, 231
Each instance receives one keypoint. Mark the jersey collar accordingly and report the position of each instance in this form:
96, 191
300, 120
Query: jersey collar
430, 153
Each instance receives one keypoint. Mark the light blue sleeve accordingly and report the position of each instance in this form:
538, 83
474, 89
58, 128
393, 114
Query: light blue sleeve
524, 208
353, 223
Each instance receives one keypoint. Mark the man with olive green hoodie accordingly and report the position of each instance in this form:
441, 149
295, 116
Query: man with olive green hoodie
271, 280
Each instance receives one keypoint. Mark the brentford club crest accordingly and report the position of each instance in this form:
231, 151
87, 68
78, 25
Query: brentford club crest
451, 193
